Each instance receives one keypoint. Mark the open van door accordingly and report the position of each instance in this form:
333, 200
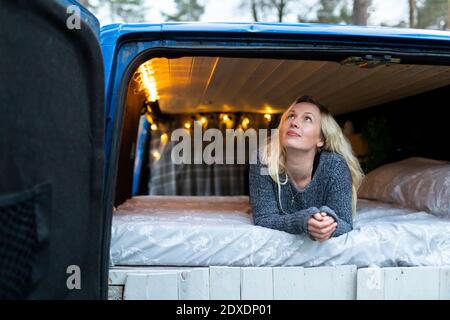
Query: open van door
52, 218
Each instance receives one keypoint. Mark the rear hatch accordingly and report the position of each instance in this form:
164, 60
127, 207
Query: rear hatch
349, 68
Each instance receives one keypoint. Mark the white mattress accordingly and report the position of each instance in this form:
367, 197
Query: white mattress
384, 235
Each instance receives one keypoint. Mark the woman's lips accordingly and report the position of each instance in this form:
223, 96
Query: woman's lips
293, 133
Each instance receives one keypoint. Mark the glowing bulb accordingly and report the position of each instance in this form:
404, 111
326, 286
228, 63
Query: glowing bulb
226, 118
268, 117
154, 127
187, 125
245, 122
164, 138
203, 120
156, 155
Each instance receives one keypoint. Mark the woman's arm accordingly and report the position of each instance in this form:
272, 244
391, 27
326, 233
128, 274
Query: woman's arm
338, 203
264, 203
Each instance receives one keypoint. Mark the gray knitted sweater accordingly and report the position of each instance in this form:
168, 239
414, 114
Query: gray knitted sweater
330, 191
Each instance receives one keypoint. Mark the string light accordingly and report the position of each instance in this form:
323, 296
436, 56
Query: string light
146, 81
227, 120
153, 125
156, 155
164, 138
268, 117
245, 122
187, 125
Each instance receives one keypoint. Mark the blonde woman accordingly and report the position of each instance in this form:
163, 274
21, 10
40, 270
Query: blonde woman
306, 177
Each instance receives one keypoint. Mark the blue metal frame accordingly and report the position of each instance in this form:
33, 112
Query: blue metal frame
111, 33
140, 144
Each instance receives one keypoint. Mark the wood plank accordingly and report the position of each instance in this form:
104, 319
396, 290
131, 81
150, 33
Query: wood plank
224, 283
233, 283
411, 283
288, 283
135, 287
194, 284
188, 83
118, 275
345, 282
153, 286
116, 278
115, 292
370, 284
256, 283
444, 283
319, 283
415, 81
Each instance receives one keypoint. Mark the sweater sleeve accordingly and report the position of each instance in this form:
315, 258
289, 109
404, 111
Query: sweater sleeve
338, 202
264, 203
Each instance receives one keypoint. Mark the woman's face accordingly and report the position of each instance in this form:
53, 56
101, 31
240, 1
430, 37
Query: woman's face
301, 130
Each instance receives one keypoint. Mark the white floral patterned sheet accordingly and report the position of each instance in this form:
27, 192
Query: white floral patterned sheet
383, 235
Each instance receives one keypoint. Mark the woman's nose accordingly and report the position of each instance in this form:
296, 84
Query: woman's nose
294, 124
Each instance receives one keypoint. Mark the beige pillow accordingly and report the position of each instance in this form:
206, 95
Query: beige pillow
415, 183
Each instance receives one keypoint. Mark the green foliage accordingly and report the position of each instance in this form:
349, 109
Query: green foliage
432, 13
187, 10
129, 10
379, 141
124, 10
330, 11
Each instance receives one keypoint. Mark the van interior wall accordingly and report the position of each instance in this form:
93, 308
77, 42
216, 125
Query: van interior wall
416, 126
130, 125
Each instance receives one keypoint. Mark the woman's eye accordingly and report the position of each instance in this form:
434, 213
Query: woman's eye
308, 119
291, 116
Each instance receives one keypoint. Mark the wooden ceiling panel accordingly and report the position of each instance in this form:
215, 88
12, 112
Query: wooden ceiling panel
212, 84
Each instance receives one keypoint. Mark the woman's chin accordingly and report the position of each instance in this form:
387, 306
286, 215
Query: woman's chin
294, 146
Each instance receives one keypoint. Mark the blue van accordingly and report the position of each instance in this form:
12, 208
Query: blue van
75, 122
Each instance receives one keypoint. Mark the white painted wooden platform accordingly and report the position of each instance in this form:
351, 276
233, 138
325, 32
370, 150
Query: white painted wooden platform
285, 283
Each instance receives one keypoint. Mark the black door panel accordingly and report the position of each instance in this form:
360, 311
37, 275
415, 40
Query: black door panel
51, 133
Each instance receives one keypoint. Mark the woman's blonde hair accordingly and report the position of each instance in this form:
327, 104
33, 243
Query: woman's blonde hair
274, 155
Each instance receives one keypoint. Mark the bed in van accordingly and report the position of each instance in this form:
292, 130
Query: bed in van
91, 116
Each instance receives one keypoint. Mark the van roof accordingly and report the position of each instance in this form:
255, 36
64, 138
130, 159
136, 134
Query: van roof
110, 33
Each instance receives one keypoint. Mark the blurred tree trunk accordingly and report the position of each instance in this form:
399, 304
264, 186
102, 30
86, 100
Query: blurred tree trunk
280, 7
361, 12
412, 13
264, 9
448, 15
326, 12
254, 6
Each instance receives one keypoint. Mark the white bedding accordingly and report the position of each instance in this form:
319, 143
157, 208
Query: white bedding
383, 235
